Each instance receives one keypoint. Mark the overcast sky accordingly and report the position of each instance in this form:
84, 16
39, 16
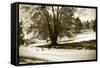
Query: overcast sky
88, 14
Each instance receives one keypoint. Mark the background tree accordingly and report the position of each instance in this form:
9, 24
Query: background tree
87, 24
21, 35
93, 25
79, 25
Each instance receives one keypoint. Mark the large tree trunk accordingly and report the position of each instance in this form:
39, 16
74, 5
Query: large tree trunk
55, 31
53, 42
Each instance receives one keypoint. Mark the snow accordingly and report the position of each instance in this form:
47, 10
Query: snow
80, 37
54, 55
57, 54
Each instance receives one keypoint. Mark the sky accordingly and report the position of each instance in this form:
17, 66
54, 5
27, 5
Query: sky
87, 14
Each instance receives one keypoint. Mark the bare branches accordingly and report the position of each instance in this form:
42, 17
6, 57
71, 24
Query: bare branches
48, 21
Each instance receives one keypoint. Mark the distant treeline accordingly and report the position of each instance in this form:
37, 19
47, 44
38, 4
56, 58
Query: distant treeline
89, 25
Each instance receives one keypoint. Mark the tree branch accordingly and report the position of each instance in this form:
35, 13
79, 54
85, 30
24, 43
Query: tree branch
48, 24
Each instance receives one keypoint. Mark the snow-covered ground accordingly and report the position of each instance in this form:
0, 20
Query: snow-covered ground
54, 55
80, 37
57, 54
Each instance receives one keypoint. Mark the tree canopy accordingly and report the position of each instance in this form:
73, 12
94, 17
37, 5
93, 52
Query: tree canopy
50, 21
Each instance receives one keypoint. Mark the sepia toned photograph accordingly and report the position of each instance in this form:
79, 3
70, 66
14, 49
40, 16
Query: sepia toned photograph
56, 33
